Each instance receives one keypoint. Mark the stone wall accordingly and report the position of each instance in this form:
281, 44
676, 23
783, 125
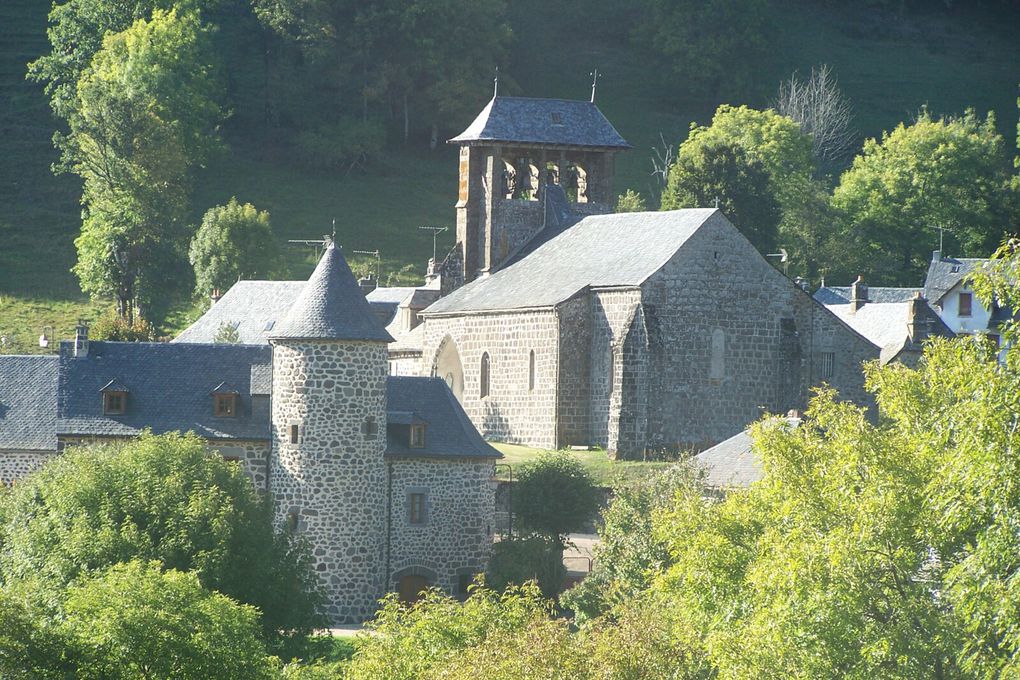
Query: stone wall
456, 536
16, 465
252, 456
330, 485
511, 412
612, 312
573, 398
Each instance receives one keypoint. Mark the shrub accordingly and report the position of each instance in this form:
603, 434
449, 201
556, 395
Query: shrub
554, 495
533, 558
111, 326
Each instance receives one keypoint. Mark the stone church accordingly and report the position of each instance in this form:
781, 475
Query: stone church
556, 323
385, 476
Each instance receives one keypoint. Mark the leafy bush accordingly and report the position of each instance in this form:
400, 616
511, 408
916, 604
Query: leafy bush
347, 144
234, 241
111, 326
630, 201
161, 498
554, 495
533, 558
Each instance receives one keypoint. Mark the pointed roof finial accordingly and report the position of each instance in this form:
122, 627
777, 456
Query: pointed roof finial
495, 83
332, 235
594, 81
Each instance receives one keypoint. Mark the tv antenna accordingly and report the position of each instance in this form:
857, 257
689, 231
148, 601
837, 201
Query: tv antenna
436, 231
378, 260
318, 244
784, 259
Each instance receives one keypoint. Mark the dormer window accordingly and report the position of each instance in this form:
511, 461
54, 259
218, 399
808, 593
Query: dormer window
224, 405
224, 401
114, 403
417, 436
115, 396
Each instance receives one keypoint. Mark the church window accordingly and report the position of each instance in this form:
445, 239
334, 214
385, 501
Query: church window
417, 506
370, 428
611, 377
966, 304
717, 361
483, 376
826, 364
531, 371
114, 403
417, 436
225, 405
294, 433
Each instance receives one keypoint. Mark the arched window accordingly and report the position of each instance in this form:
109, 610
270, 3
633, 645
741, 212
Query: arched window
531, 371
483, 376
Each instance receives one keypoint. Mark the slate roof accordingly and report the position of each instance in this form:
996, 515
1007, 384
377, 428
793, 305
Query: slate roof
28, 402
732, 463
168, 388
834, 295
884, 324
945, 272
448, 433
601, 250
331, 306
252, 305
553, 122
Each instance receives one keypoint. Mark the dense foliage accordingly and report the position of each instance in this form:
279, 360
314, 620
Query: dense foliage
937, 173
143, 116
553, 496
234, 242
160, 498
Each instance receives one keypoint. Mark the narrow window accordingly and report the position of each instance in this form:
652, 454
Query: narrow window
416, 508
370, 428
114, 403
294, 434
225, 405
827, 364
966, 304
611, 378
531, 371
717, 360
483, 377
417, 436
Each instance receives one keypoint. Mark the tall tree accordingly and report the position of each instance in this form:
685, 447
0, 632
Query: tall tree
823, 112
145, 113
949, 173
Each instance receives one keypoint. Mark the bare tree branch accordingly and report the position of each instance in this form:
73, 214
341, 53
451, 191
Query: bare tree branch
822, 110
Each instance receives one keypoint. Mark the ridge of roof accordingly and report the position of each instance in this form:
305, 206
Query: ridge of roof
331, 306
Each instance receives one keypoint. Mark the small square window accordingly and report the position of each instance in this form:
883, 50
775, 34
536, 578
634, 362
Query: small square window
370, 428
224, 405
417, 436
416, 508
114, 403
966, 304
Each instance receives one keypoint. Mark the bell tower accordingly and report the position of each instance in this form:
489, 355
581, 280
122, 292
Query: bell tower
326, 469
528, 164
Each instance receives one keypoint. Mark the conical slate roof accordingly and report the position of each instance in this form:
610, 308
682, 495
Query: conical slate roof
331, 307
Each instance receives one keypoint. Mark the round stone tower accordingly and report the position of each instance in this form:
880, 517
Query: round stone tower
326, 474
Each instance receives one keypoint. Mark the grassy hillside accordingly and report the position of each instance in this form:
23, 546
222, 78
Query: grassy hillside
889, 66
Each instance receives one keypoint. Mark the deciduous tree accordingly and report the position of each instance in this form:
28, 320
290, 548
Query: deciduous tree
234, 242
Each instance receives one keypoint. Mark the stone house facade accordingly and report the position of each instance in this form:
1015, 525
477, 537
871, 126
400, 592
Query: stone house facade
384, 475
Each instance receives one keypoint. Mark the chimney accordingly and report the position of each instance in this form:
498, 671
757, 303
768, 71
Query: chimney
367, 284
802, 283
215, 295
918, 319
858, 294
81, 340
936, 256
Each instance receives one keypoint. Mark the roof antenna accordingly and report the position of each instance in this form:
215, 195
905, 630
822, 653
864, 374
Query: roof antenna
942, 231
594, 81
495, 84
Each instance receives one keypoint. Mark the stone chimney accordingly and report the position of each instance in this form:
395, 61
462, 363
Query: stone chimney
858, 294
936, 256
81, 340
215, 295
918, 319
367, 284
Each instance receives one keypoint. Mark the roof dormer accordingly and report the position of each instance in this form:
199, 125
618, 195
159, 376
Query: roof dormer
225, 400
115, 397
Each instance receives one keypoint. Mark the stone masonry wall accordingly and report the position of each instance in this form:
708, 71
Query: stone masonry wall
511, 412
730, 338
16, 465
331, 485
612, 312
575, 367
456, 537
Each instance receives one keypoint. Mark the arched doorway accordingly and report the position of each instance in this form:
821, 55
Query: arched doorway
411, 582
448, 367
